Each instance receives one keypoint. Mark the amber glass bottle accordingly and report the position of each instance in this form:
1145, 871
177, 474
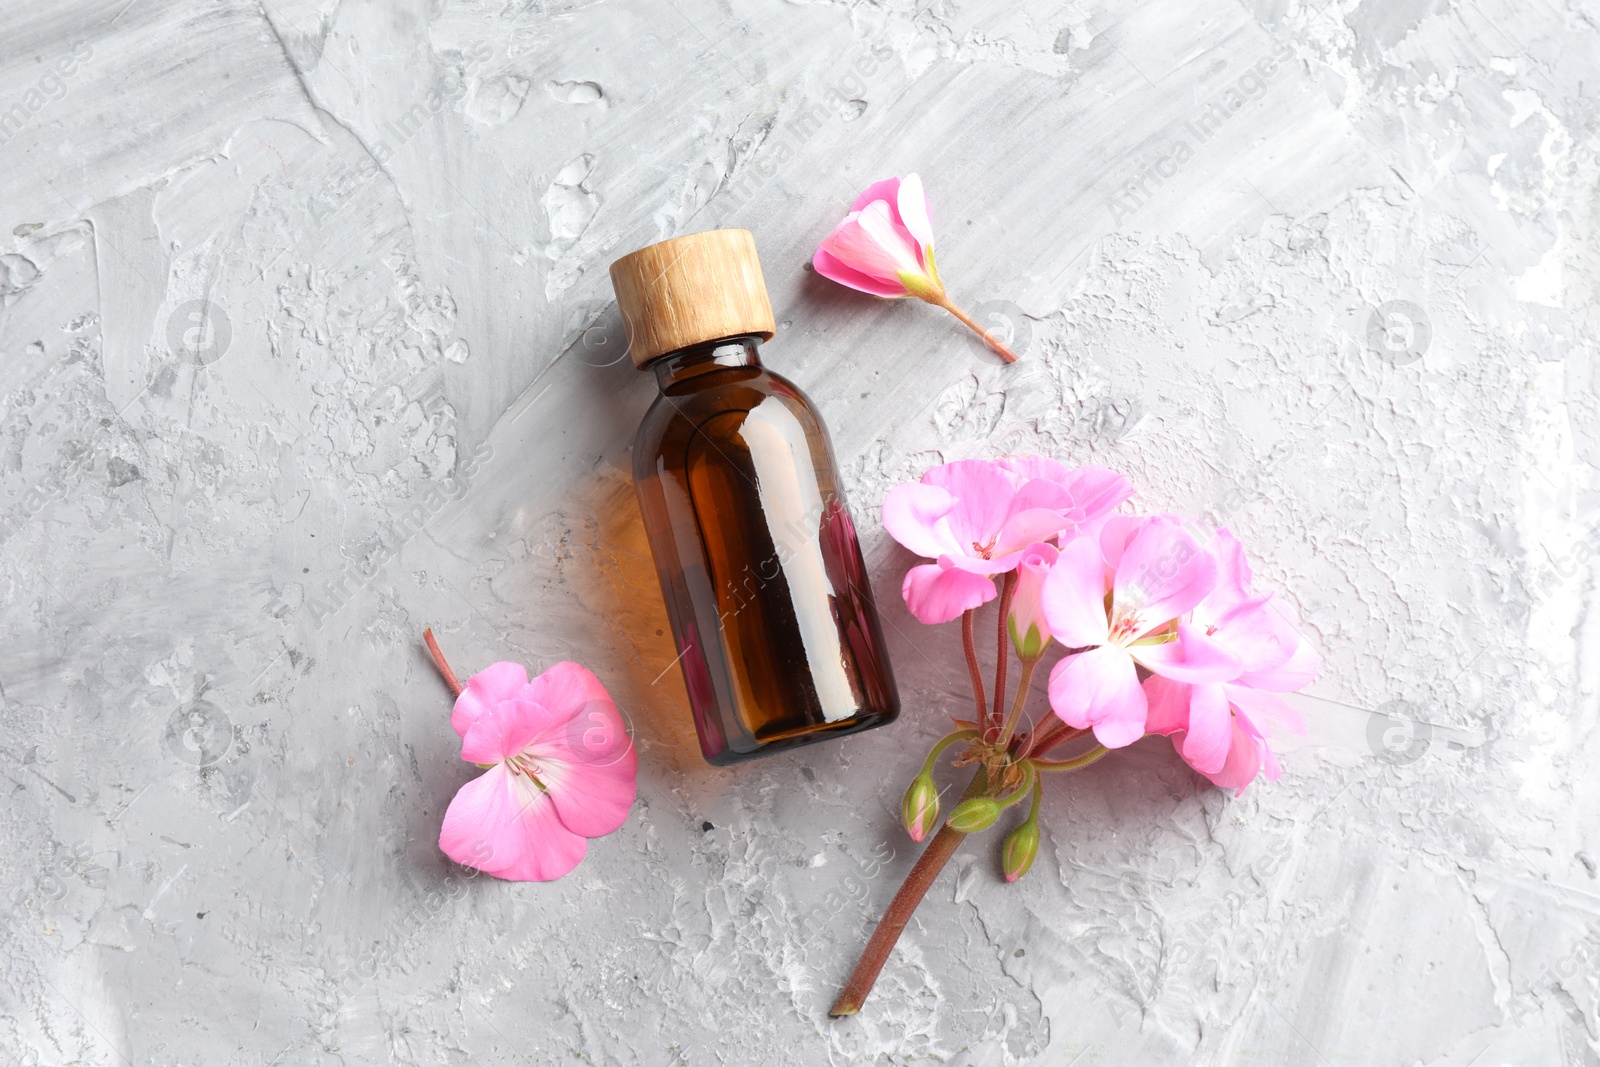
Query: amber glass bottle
777, 635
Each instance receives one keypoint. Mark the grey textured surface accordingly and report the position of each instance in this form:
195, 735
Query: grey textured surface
225, 756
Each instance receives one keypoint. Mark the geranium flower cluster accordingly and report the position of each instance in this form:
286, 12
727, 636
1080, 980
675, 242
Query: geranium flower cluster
1159, 628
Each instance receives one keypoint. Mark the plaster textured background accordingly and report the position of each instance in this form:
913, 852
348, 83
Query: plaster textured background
276, 275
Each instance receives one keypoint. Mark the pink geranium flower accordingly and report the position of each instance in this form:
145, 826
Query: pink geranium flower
884, 247
1155, 572
975, 518
561, 769
1220, 727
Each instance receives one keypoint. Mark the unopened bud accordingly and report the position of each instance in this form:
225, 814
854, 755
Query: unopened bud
1029, 629
920, 809
1022, 845
976, 814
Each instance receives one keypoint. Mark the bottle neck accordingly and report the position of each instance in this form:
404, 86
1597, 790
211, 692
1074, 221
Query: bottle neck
676, 367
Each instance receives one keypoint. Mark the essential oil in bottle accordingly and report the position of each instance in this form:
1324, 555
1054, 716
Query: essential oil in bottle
777, 634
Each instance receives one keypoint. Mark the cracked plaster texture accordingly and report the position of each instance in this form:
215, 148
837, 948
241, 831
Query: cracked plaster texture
307, 342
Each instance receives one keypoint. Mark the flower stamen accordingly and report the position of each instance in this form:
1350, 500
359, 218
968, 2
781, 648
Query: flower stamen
523, 765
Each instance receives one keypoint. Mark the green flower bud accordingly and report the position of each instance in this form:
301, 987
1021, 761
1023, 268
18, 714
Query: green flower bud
1028, 647
976, 814
1022, 845
920, 809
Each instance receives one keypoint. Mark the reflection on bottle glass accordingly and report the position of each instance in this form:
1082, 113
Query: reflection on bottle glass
778, 638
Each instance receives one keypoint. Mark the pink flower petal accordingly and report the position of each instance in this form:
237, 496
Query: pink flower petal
1092, 492
889, 249
1233, 574
591, 799
831, 266
851, 244
1260, 710
912, 211
496, 682
979, 565
1040, 509
1269, 763
887, 190
1097, 490
1169, 705
1100, 689
986, 495
1243, 763
595, 736
1192, 658
506, 728
1163, 573
1028, 466
1115, 535
501, 824
1210, 732
912, 514
936, 593
567, 688
976, 515
1120, 730
1297, 673
1259, 629
582, 752
1255, 631
1073, 597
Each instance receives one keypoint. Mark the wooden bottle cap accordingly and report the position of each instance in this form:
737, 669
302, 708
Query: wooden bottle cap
692, 289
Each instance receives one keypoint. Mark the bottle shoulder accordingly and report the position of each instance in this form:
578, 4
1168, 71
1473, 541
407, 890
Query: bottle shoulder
678, 414
731, 392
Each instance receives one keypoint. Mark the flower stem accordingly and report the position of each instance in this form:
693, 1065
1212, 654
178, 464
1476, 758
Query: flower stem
1022, 697
1002, 645
944, 743
1038, 795
439, 661
1030, 777
972, 666
893, 923
1050, 736
1078, 763
966, 320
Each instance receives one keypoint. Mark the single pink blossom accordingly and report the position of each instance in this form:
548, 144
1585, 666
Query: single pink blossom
975, 518
884, 247
1156, 575
561, 769
1220, 727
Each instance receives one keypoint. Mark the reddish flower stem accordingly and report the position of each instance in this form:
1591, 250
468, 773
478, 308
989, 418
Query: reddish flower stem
989, 339
439, 661
893, 923
1050, 736
1002, 651
1015, 716
1078, 763
971, 644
